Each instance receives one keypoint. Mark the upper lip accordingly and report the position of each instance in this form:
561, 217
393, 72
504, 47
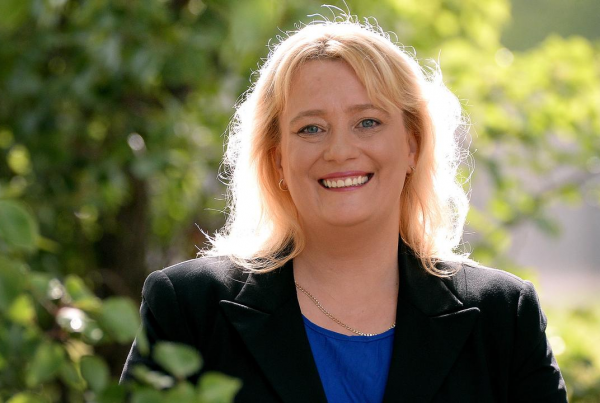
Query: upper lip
344, 174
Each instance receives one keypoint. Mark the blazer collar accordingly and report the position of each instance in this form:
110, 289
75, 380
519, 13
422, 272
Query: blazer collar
267, 316
429, 294
432, 326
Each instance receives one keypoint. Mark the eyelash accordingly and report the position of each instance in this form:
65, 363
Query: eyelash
305, 128
375, 124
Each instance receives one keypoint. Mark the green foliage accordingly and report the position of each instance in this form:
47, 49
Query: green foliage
17, 227
49, 330
12, 282
181, 361
573, 334
119, 316
47, 360
111, 118
215, 387
95, 372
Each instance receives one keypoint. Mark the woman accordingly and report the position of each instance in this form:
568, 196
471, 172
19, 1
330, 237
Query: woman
335, 278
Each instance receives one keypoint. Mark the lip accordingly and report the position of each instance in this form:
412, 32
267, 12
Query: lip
345, 174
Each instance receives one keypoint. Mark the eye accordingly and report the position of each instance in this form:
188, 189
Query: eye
310, 129
368, 123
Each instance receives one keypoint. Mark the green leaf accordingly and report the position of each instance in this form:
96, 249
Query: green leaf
178, 359
571, 194
13, 13
141, 342
22, 310
120, 318
92, 333
12, 282
48, 359
19, 160
77, 288
218, 388
95, 372
17, 226
82, 297
113, 393
40, 284
68, 373
182, 393
156, 379
547, 225
26, 397
147, 396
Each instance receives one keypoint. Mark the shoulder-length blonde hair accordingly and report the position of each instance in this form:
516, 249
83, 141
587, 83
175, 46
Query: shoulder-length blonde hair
263, 232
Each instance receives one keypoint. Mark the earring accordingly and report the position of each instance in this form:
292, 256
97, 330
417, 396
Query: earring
281, 186
412, 167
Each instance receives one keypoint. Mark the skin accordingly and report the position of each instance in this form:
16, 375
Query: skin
331, 129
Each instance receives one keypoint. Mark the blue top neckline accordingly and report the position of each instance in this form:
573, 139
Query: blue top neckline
344, 337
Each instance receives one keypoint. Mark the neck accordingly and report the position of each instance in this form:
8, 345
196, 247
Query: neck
350, 259
353, 272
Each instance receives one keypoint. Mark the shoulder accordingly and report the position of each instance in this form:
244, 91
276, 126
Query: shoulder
496, 293
501, 298
478, 282
509, 307
206, 276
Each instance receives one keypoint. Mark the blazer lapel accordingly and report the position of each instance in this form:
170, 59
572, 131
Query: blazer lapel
267, 316
432, 327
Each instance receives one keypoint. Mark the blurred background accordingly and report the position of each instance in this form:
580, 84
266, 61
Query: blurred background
112, 121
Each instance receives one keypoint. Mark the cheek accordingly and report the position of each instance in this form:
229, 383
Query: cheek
392, 159
390, 154
297, 159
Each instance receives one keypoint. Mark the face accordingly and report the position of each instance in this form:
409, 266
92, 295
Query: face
343, 159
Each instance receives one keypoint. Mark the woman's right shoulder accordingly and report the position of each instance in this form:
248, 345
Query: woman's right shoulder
217, 276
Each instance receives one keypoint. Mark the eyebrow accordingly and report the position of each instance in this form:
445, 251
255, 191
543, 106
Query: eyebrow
321, 112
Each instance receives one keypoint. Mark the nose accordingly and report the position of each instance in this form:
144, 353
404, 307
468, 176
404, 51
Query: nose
340, 146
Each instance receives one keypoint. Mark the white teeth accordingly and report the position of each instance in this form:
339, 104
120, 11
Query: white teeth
341, 183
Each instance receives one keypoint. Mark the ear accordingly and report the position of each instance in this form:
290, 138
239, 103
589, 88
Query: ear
276, 155
413, 150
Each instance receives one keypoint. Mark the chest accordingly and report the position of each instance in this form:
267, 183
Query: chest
281, 367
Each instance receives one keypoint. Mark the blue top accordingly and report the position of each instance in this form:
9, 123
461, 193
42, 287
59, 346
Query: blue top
352, 368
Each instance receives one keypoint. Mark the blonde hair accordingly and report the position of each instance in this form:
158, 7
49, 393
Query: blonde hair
262, 231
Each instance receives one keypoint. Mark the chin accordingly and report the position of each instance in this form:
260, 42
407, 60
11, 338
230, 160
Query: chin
347, 220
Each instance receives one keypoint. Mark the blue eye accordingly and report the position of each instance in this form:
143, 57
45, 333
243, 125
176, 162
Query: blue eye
310, 129
368, 123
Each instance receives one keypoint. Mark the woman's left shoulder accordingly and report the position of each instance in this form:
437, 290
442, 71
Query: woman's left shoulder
481, 286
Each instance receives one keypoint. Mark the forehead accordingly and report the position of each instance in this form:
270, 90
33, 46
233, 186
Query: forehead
324, 83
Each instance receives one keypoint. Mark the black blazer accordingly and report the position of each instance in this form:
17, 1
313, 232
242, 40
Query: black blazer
475, 337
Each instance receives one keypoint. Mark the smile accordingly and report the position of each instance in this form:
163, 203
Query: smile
351, 181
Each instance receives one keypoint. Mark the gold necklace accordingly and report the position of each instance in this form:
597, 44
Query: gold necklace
336, 320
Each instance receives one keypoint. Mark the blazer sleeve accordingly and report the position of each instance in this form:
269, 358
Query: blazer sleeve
162, 320
535, 373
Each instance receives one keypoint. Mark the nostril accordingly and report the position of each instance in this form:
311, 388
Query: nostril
340, 150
